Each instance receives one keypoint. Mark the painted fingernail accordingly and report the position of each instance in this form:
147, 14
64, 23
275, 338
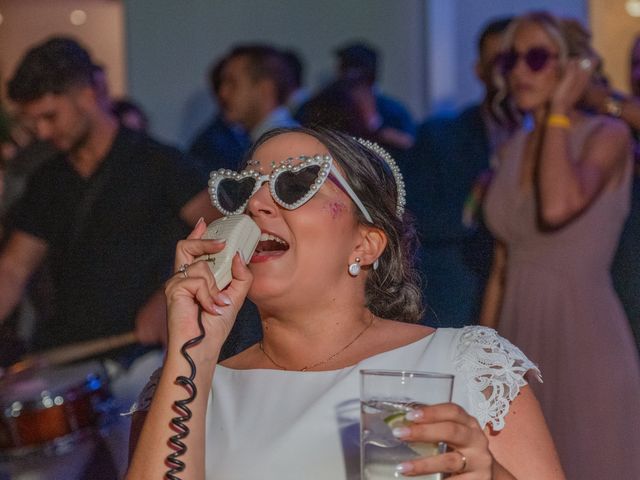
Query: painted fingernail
200, 220
404, 467
413, 415
224, 298
400, 432
217, 310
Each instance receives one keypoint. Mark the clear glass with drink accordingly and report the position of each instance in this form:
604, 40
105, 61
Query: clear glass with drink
385, 398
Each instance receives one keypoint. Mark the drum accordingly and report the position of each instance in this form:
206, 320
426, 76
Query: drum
48, 409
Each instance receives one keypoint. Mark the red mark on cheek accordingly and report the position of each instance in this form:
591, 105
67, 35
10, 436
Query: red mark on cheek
336, 208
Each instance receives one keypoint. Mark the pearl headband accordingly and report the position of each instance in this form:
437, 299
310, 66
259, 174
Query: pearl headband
395, 170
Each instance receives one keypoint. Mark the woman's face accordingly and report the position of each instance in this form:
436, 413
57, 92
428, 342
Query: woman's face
318, 237
536, 72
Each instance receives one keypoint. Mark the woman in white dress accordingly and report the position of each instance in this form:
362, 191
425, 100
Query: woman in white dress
333, 281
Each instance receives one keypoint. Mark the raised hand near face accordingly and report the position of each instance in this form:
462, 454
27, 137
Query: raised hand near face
193, 286
573, 84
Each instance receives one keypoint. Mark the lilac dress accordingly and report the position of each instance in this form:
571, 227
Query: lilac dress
560, 308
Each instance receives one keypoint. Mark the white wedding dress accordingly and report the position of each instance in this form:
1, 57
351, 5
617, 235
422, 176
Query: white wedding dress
281, 425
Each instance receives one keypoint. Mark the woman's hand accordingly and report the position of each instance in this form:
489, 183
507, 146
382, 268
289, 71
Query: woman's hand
572, 85
595, 96
469, 459
194, 286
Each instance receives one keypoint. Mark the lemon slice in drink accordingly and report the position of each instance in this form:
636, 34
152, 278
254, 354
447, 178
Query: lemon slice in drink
396, 420
425, 449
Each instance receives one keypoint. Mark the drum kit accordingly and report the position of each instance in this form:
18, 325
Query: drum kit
57, 413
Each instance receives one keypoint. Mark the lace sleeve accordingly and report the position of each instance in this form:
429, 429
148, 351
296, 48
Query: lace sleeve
143, 402
494, 370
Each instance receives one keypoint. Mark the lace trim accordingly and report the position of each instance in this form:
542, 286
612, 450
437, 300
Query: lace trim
143, 402
494, 369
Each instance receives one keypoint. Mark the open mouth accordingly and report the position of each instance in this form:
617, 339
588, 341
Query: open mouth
270, 245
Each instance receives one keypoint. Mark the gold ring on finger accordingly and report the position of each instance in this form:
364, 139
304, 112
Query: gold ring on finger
464, 462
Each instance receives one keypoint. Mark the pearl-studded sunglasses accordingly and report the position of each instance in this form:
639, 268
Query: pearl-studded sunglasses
291, 186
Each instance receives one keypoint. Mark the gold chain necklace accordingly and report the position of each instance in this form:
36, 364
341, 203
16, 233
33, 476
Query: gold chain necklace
309, 367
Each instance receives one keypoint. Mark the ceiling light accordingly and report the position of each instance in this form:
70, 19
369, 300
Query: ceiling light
633, 7
78, 17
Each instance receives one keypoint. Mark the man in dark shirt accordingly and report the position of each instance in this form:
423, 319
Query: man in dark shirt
252, 84
221, 143
255, 82
106, 211
449, 168
390, 122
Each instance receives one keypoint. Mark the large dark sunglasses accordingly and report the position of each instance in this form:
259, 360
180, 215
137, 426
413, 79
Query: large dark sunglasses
536, 59
291, 184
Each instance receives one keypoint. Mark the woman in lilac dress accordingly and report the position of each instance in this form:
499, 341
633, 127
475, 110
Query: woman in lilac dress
557, 205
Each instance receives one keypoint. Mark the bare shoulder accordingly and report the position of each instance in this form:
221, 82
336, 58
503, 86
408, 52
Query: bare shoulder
397, 334
404, 328
612, 131
245, 360
608, 148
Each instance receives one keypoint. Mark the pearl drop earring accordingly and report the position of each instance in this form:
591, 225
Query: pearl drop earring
354, 268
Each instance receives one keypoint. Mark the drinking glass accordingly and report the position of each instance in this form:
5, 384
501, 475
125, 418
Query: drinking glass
385, 397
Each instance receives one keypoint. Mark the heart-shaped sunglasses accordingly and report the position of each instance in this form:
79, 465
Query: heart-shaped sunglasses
293, 183
535, 58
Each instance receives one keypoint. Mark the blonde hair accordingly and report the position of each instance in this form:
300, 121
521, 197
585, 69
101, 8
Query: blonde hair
570, 36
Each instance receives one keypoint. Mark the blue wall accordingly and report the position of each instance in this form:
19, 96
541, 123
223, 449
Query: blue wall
428, 47
171, 45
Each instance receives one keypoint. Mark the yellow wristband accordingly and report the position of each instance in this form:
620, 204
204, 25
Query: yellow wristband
558, 120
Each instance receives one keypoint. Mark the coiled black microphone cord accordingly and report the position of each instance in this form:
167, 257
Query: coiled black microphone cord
176, 464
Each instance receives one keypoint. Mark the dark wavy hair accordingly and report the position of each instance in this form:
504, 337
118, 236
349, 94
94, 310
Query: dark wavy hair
54, 66
393, 290
266, 62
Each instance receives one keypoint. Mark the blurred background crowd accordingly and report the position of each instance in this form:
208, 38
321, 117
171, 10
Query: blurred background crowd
418, 77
